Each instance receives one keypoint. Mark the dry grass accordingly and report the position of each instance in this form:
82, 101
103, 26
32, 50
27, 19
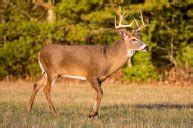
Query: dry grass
122, 105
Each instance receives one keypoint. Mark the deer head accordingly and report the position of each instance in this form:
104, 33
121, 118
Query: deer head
132, 38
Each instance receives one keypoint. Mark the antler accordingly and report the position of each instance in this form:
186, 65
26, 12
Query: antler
143, 24
122, 25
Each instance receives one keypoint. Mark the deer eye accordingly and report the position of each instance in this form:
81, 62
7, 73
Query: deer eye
133, 39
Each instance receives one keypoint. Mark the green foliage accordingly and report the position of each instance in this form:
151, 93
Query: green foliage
142, 68
185, 57
25, 30
171, 33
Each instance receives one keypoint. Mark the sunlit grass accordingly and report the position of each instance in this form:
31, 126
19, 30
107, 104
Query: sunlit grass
122, 105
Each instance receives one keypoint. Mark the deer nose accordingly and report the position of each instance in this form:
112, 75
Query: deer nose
146, 48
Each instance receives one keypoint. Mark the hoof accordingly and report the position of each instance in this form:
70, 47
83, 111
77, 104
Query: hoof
54, 113
93, 114
29, 109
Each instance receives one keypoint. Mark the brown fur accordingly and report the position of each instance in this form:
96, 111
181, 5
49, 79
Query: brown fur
87, 61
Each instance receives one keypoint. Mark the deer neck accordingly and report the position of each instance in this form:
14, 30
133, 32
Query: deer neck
118, 53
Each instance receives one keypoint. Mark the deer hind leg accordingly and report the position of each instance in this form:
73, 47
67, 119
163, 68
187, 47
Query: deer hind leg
47, 90
40, 82
99, 94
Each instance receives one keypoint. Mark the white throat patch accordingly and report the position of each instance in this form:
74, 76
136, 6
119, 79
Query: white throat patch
130, 53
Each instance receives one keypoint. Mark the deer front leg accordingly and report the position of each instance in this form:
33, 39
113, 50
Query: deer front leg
97, 87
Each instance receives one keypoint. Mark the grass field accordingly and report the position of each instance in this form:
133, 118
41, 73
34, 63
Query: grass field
122, 106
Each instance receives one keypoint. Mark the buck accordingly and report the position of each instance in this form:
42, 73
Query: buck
93, 63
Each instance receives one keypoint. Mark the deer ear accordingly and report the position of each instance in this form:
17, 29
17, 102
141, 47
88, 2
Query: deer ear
123, 34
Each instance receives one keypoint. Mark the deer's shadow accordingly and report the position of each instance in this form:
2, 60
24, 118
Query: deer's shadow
149, 106
126, 109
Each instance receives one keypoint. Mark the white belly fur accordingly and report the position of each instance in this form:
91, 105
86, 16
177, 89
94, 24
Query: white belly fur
74, 77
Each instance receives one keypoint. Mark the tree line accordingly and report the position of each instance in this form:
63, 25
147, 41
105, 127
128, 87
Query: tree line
28, 25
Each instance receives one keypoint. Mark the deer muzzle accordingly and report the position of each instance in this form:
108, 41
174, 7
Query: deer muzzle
144, 48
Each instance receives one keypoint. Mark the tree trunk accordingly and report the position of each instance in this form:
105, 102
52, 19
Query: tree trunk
51, 15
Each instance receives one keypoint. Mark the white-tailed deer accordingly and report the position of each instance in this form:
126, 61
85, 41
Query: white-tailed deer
94, 63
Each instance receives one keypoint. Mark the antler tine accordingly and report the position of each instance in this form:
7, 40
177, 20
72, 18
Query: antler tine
115, 22
122, 25
120, 20
136, 22
122, 16
142, 18
143, 24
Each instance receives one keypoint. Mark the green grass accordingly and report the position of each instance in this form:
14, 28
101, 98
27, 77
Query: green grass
122, 106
